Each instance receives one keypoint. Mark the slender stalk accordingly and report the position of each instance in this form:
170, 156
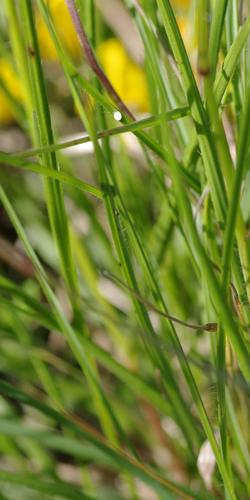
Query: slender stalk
151, 121
92, 61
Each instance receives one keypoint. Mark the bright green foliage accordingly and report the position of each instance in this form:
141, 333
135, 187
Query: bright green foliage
125, 269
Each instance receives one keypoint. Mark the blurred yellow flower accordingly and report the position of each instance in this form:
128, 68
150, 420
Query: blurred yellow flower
125, 75
11, 82
180, 8
64, 28
187, 28
180, 3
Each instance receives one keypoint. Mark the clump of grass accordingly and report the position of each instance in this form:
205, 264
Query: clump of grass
125, 271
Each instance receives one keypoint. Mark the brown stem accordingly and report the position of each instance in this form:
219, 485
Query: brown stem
208, 327
92, 61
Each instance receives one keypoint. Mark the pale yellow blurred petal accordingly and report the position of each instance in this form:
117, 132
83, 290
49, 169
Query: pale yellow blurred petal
180, 3
135, 88
126, 76
12, 84
64, 28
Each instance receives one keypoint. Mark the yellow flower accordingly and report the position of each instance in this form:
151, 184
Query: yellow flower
64, 28
186, 26
188, 32
13, 86
125, 75
180, 3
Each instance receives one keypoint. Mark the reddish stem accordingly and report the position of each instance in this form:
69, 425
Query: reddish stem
92, 61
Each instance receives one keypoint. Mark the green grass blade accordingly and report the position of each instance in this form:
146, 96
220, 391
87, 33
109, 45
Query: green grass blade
50, 488
230, 63
215, 34
97, 448
63, 177
44, 136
